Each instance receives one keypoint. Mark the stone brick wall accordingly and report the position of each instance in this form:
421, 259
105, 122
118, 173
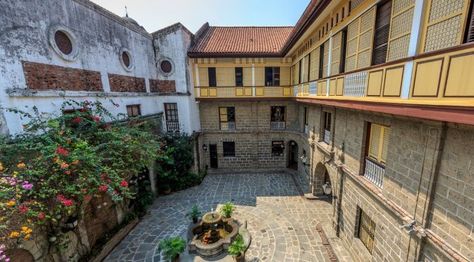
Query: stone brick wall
49, 77
162, 86
120, 83
415, 152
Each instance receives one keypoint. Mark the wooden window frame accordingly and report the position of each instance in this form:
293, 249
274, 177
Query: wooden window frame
134, 110
271, 114
377, 32
305, 116
272, 76
224, 118
327, 121
321, 61
171, 117
342, 64
381, 143
469, 32
365, 230
228, 153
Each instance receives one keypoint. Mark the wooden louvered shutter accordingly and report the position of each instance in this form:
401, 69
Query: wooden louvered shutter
374, 143
386, 137
470, 25
382, 31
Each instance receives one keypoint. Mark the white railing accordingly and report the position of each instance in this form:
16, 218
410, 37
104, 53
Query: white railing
355, 84
278, 125
374, 172
327, 136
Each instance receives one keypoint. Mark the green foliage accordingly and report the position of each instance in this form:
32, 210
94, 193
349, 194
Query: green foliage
175, 162
172, 247
227, 209
52, 170
237, 247
194, 213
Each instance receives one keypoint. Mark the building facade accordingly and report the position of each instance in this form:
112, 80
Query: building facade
76, 50
369, 102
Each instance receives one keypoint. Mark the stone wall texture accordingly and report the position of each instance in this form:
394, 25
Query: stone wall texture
162, 86
121, 83
428, 174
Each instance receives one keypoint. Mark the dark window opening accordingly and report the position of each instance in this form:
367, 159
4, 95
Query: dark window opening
166, 66
305, 120
239, 76
211, 71
382, 31
300, 73
272, 76
229, 149
133, 110
342, 65
63, 42
278, 114
126, 59
171, 114
309, 68
470, 25
278, 148
343, 14
327, 121
321, 60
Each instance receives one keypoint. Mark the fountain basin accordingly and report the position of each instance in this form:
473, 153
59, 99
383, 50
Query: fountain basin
212, 235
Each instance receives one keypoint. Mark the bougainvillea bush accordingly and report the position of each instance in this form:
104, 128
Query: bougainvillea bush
52, 170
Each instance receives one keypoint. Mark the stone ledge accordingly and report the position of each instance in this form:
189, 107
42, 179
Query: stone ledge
21, 92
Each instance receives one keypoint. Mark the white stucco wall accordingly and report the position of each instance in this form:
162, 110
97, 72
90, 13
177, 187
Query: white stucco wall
99, 36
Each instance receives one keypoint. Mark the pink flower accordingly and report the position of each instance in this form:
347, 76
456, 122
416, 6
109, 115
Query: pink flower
27, 185
96, 119
41, 216
124, 183
62, 151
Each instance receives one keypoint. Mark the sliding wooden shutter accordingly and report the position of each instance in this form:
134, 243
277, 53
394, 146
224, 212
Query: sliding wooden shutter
382, 31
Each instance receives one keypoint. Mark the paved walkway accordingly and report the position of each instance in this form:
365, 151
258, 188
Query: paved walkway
282, 223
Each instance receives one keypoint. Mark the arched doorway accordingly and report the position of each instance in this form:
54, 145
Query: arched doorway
321, 181
292, 155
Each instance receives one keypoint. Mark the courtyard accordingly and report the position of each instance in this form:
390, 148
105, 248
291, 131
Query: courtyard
281, 222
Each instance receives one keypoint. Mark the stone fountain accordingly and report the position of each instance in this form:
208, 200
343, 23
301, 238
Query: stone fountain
212, 235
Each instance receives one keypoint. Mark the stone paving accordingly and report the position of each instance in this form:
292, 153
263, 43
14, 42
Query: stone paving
282, 223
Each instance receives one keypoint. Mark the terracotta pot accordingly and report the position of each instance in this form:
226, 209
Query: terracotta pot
240, 258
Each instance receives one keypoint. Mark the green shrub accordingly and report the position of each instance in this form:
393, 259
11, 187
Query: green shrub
237, 247
194, 213
227, 209
172, 247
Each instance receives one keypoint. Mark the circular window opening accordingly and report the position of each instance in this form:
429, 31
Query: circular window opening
126, 59
63, 42
166, 66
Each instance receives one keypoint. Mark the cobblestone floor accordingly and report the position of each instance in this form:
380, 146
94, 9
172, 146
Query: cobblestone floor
282, 223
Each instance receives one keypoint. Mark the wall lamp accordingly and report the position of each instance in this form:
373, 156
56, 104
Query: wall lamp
204, 147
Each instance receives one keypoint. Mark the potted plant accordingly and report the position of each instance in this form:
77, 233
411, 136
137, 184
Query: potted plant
194, 214
227, 209
237, 249
172, 247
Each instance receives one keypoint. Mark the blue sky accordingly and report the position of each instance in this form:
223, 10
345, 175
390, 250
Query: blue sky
156, 14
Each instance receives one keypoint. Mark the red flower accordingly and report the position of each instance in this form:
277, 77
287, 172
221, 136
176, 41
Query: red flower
103, 188
41, 216
68, 202
77, 120
124, 183
87, 198
23, 209
62, 151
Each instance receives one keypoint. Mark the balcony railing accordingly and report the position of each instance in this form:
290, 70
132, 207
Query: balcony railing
277, 125
172, 126
327, 136
374, 172
433, 78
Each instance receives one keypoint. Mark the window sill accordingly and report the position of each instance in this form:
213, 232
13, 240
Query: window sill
363, 251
